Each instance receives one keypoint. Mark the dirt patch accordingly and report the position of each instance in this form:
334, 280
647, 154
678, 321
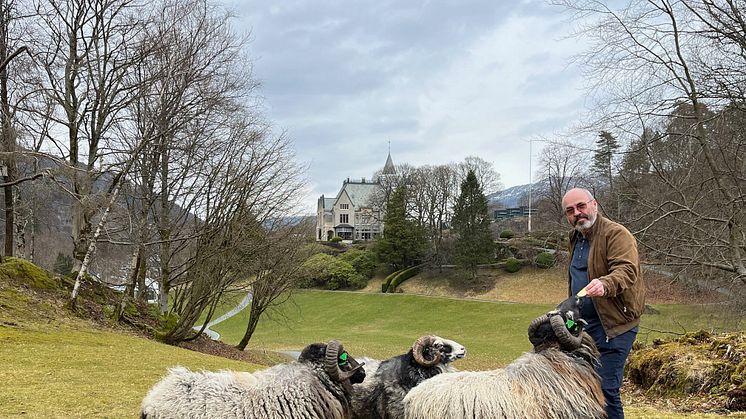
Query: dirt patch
206, 345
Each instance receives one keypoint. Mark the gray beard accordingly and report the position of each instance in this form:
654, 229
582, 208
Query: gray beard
587, 227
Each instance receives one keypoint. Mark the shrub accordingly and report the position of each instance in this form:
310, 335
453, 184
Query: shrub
544, 260
362, 261
512, 265
507, 234
403, 276
387, 282
336, 239
329, 272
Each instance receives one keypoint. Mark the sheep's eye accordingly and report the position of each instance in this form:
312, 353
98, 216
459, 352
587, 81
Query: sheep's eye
342, 358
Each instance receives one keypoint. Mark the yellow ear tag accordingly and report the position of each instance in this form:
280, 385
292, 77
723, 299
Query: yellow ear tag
582, 293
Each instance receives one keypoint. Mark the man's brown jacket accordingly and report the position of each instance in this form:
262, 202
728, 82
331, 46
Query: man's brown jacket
613, 259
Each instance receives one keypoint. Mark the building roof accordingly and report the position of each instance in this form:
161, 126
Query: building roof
329, 203
359, 192
388, 168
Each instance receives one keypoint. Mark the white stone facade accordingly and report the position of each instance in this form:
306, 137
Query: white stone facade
350, 214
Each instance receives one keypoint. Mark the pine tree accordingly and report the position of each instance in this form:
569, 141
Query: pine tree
471, 221
403, 243
603, 157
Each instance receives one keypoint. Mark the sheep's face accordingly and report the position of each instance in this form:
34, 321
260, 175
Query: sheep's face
352, 364
316, 353
562, 325
570, 312
430, 350
449, 350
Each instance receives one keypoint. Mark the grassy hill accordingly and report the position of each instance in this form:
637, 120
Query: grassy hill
56, 364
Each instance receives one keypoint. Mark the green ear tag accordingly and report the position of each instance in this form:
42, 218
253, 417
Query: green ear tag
343, 358
570, 324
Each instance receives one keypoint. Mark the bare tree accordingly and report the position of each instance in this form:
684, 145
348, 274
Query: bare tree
564, 165
254, 183
677, 67
277, 271
485, 171
85, 50
10, 49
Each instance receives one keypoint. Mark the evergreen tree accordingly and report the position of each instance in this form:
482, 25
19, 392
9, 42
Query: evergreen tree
403, 243
603, 157
471, 221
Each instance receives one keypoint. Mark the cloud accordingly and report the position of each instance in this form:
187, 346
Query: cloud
441, 80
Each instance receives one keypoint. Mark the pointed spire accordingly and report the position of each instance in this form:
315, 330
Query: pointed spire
388, 168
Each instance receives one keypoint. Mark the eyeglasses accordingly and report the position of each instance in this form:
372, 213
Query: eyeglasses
580, 207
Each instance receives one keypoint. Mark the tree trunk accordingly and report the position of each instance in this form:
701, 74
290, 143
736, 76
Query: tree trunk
256, 313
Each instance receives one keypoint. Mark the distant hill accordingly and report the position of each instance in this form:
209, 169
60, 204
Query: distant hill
515, 196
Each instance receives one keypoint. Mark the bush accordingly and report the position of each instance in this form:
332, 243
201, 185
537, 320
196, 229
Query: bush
387, 282
362, 261
544, 260
403, 276
512, 265
507, 234
336, 239
332, 273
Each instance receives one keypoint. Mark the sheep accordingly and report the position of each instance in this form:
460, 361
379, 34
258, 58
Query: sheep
556, 380
387, 382
318, 385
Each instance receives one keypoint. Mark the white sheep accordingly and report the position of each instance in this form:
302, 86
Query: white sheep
387, 382
556, 380
319, 386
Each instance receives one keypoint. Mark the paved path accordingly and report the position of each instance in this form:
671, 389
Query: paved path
235, 310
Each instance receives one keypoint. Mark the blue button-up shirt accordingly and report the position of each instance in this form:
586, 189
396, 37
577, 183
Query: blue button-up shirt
579, 276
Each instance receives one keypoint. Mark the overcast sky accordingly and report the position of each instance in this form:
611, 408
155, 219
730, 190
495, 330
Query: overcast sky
441, 80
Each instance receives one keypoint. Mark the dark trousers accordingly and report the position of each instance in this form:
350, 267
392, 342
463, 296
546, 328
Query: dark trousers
613, 356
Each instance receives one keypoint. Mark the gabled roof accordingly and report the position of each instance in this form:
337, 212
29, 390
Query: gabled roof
359, 193
388, 168
329, 203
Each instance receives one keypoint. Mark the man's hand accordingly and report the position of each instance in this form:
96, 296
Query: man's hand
595, 288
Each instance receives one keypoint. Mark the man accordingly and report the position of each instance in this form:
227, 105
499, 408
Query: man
604, 261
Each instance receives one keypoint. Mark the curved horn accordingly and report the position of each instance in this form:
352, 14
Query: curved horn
566, 339
419, 347
532, 329
333, 348
331, 362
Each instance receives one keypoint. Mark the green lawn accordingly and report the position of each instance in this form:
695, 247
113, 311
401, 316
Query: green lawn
68, 369
64, 373
382, 325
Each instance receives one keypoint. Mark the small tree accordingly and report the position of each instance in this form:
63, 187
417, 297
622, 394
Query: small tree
403, 243
471, 222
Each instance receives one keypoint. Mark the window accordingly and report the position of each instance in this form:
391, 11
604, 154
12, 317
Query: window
344, 218
344, 206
